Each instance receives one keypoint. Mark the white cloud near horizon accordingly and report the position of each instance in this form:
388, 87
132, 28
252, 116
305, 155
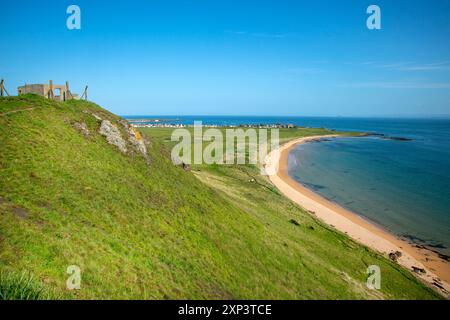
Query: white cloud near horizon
398, 85
427, 67
409, 66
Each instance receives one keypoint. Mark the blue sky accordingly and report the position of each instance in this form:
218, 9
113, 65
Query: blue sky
212, 57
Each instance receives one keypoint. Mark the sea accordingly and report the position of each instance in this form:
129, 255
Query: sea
402, 185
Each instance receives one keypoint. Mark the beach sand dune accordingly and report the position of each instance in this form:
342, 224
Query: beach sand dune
425, 264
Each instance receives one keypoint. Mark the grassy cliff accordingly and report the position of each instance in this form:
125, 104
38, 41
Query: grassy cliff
143, 228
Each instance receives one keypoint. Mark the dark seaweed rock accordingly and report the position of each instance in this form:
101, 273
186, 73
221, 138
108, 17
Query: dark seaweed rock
387, 137
399, 138
439, 285
320, 140
418, 270
444, 257
374, 134
437, 246
186, 167
395, 255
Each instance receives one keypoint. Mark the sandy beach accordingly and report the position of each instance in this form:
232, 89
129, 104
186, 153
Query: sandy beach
437, 270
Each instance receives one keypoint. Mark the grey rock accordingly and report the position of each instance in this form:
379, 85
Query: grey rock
113, 136
81, 127
137, 140
135, 137
124, 123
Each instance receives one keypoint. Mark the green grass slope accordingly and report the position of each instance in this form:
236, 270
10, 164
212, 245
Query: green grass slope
150, 230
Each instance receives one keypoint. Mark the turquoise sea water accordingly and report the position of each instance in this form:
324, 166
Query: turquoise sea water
404, 186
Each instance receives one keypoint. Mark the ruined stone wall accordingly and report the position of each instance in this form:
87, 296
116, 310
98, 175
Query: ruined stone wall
59, 91
41, 89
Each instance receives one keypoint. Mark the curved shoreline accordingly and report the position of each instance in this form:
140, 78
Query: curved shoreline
437, 270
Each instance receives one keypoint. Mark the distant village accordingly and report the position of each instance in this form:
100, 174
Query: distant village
161, 123
63, 93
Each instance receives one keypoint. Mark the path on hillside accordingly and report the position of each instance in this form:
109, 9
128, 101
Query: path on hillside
14, 111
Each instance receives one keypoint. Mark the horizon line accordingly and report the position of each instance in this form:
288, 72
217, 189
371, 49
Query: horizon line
433, 116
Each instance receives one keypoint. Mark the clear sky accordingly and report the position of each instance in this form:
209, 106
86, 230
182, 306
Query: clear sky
227, 57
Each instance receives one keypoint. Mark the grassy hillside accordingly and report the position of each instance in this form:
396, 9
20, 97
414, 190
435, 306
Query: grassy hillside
146, 229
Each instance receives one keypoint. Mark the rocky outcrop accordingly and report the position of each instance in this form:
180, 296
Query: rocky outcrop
385, 136
135, 137
132, 142
113, 136
82, 127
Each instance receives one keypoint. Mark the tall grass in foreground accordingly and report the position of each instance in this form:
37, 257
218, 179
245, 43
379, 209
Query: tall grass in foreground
22, 287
